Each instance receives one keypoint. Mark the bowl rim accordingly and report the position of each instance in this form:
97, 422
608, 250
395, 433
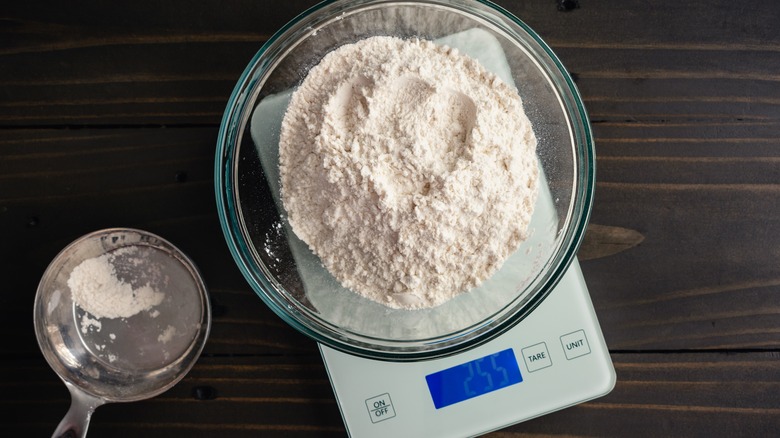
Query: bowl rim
579, 208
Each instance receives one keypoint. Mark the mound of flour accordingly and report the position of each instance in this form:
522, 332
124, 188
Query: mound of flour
96, 288
408, 169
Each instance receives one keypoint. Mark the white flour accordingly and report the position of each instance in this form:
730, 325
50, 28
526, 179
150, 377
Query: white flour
167, 334
87, 323
408, 169
96, 289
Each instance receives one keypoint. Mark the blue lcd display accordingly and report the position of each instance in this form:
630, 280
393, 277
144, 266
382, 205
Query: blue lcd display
475, 378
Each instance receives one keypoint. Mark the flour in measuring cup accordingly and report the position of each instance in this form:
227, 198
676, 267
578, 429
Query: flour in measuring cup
96, 289
408, 168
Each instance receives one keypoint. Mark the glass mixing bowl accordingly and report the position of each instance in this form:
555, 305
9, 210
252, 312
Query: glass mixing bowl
291, 280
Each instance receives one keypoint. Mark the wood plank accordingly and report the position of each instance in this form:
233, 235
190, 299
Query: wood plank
689, 153
129, 66
675, 60
701, 394
684, 139
704, 196
708, 283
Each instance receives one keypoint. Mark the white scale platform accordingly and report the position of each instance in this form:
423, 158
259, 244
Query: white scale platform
561, 357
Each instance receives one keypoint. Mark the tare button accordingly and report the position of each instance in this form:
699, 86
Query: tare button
380, 408
575, 344
536, 357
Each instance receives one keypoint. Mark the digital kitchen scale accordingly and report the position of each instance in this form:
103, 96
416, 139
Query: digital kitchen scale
555, 358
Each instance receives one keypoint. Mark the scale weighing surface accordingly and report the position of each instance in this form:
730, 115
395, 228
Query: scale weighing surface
555, 358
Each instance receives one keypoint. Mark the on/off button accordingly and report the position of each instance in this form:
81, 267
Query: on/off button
380, 408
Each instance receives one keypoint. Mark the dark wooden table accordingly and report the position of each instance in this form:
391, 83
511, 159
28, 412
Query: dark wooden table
109, 114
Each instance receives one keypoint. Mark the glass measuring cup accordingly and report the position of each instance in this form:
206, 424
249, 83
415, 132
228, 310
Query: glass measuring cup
121, 359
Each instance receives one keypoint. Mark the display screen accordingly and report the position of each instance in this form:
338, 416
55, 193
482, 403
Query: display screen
472, 379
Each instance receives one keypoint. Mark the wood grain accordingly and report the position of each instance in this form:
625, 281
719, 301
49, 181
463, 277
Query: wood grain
632, 60
656, 394
109, 117
604, 241
711, 288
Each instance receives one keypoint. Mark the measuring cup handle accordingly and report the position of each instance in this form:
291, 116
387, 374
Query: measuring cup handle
76, 421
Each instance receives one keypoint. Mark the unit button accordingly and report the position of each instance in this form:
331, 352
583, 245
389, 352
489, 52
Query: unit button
536, 357
380, 408
575, 344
